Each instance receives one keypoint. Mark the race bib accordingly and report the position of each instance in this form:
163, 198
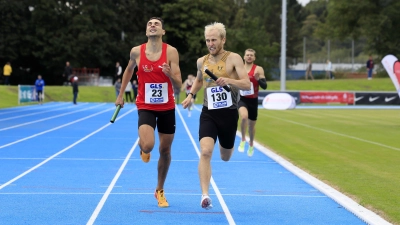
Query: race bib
156, 93
218, 98
249, 92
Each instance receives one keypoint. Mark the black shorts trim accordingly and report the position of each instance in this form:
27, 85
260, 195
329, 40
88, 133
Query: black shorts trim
219, 123
251, 104
163, 120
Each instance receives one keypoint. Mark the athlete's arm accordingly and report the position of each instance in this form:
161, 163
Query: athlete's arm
260, 77
243, 82
197, 84
134, 54
172, 70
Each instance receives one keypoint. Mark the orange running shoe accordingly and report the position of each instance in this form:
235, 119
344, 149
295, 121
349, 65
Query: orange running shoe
162, 201
145, 157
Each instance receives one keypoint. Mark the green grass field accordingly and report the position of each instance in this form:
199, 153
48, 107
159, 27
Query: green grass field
354, 151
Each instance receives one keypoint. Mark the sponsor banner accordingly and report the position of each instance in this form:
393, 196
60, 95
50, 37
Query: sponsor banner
378, 98
294, 94
392, 66
322, 97
26, 93
279, 101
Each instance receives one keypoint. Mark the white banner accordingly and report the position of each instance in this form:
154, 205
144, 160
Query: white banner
392, 66
279, 101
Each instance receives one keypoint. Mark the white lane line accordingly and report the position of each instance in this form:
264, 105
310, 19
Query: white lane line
111, 186
48, 118
169, 193
56, 128
339, 134
213, 184
29, 108
65, 149
363, 213
36, 113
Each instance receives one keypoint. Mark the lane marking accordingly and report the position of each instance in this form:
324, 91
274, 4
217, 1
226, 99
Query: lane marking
111, 186
65, 149
361, 212
213, 184
41, 112
29, 108
56, 128
48, 118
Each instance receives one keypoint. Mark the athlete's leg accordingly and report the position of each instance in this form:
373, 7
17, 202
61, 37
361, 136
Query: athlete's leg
226, 153
243, 121
207, 147
165, 158
146, 138
252, 131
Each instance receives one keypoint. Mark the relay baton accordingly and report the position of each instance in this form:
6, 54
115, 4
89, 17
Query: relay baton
209, 73
115, 113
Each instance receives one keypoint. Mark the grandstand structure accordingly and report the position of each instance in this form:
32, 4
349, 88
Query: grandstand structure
87, 76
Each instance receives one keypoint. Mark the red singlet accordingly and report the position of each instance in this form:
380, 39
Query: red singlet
254, 81
151, 78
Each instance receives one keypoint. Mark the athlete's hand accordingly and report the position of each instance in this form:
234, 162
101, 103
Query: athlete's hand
166, 69
257, 76
187, 101
222, 81
119, 101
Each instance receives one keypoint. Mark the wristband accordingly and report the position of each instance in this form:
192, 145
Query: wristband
191, 94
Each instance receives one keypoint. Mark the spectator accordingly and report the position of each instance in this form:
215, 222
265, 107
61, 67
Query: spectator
128, 92
118, 71
75, 88
370, 67
309, 70
177, 92
117, 86
67, 73
135, 89
39, 85
7, 70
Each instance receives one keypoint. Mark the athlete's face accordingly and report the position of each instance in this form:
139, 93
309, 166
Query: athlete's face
154, 28
214, 42
249, 57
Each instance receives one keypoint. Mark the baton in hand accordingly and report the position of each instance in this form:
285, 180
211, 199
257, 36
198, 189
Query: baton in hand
115, 113
209, 73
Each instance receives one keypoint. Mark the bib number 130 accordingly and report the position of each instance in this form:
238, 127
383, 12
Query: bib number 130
218, 98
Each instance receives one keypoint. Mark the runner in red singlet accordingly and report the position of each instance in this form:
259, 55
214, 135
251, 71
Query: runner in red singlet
158, 72
186, 86
248, 104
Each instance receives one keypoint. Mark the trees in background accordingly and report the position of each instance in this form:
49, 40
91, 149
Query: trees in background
43, 34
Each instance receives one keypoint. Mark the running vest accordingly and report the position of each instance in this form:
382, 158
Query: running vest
253, 92
155, 91
215, 97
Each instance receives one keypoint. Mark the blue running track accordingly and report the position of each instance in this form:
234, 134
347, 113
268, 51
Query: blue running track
67, 164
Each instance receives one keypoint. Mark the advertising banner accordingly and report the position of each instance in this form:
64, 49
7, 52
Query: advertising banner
322, 97
279, 101
392, 67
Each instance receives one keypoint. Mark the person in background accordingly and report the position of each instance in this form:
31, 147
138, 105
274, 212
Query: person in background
7, 70
67, 73
39, 85
309, 70
187, 86
135, 89
75, 89
328, 70
370, 67
248, 103
128, 92
177, 92
118, 71
117, 86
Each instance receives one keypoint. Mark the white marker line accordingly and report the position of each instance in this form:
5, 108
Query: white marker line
41, 112
111, 186
56, 128
58, 153
30, 108
339, 134
48, 118
363, 213
214, 185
